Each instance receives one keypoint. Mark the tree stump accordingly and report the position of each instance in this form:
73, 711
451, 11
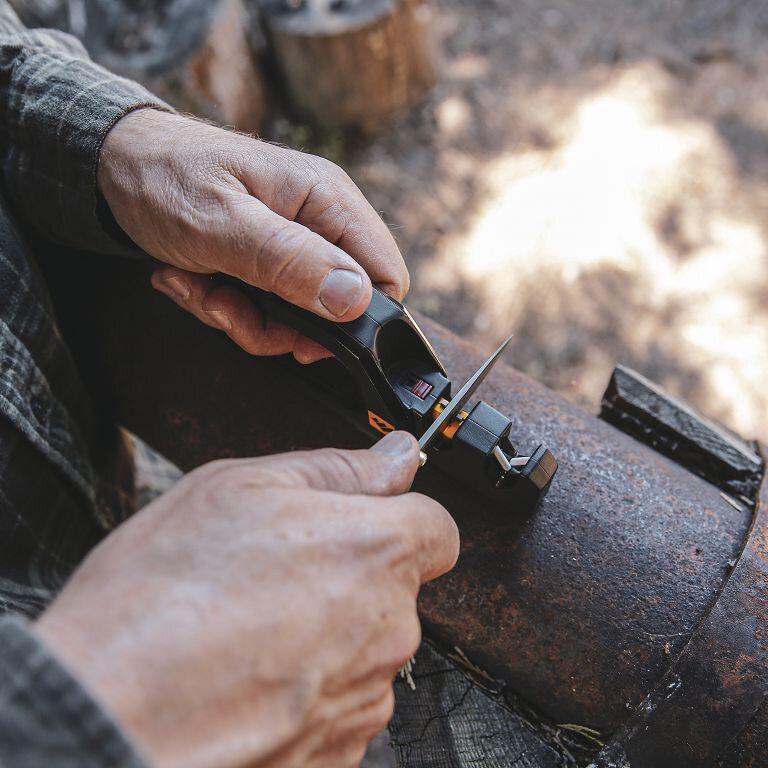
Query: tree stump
351, 62
194, 54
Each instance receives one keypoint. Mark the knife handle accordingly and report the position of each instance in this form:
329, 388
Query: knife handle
384, 350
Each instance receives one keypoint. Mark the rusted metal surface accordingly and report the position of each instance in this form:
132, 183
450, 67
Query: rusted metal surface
581, 607
748, 749
716, 684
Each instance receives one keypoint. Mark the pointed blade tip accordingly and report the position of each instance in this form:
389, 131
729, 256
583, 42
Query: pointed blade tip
463, 395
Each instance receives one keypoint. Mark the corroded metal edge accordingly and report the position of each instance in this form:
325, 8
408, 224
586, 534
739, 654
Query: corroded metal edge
645, 411
720, 679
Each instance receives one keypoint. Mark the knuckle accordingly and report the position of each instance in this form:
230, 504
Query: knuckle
215, 481
374, 715
404, 282
388, 704
304, 171
326, 169
428, 508
213, 470
223, 476
428, 530
284, 247
251, 344
255, 339
409, 638
339, 175
292, 186
400, 635
352, 754
408, 643
333, 215
438, 515
382, 711
228, 479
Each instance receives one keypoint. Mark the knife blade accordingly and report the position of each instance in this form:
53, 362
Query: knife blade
458, 401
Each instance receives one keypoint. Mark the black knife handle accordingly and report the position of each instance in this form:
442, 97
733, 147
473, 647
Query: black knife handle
382, 350
400, 380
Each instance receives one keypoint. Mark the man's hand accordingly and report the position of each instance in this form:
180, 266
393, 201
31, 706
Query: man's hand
257, 613
207, 200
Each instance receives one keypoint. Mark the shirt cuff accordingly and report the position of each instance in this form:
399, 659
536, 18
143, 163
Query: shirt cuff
46, 716
62, 108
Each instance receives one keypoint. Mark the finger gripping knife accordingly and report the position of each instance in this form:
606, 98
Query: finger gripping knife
401, 384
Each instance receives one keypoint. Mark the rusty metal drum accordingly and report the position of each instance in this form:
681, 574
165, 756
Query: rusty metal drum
631, 608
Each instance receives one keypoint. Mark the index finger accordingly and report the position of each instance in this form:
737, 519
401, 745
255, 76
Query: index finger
367, 239
337, 210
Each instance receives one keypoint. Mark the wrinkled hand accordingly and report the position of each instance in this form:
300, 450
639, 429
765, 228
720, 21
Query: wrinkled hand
257, 613
204, 200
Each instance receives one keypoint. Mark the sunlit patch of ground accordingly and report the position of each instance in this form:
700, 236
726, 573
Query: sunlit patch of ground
594, 176
607, 231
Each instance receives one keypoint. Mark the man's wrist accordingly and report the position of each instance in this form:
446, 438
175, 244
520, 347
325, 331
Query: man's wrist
127, 145
54, 717
109, 666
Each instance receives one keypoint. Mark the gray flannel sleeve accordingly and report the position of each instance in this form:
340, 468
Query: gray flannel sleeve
56, 108
46, 717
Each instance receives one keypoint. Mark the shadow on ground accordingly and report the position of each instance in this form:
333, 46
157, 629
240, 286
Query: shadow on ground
592, 175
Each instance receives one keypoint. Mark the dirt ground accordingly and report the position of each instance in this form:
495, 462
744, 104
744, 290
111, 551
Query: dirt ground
592, 175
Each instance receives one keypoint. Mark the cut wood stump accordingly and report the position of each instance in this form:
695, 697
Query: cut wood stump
351, 62
194, 54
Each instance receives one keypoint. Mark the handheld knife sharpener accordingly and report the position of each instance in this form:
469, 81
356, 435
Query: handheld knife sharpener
403, 385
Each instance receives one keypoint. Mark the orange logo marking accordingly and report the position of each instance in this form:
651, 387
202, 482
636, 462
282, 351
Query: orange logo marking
379, 424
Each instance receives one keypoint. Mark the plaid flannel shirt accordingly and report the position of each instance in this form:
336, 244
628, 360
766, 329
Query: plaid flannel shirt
60, 463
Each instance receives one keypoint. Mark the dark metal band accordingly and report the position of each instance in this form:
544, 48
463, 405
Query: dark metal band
719, 680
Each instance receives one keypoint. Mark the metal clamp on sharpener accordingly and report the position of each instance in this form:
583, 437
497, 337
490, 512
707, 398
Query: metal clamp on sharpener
403, 385
478, 443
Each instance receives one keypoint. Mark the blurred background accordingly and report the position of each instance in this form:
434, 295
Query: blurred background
592, 175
